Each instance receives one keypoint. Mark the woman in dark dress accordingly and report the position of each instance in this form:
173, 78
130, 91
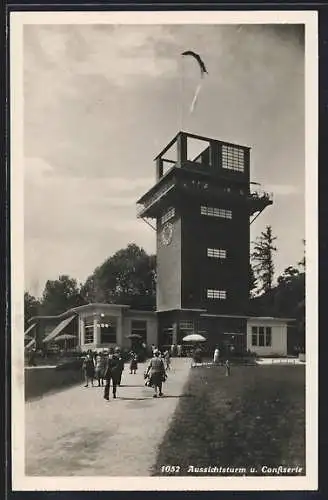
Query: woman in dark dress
99, 369
88, 368
133, 362
156, 370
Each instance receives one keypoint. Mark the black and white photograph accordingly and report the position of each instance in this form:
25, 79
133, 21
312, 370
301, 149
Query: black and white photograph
164, 250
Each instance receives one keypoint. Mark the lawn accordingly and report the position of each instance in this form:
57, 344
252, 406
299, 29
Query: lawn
254, 418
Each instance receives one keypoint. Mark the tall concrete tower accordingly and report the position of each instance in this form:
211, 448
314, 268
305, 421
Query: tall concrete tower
203, 207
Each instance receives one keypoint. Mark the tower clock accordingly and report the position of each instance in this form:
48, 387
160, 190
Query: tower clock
166, 233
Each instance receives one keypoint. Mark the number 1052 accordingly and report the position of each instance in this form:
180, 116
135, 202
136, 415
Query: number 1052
170, 469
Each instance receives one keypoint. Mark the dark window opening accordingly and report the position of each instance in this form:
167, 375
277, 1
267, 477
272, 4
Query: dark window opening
108, 327
261, 336
139, 327
254, 336
268, 336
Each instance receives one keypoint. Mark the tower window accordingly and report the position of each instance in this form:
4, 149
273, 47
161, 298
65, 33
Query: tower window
168, 215
216, 294
217, 253
216, 212
233, 158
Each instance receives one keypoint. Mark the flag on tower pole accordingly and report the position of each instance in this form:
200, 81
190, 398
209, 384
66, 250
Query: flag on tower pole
203, 72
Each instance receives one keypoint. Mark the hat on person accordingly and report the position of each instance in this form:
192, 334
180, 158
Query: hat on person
117, 349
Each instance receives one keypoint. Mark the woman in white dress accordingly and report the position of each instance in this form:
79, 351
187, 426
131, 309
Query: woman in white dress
216, 356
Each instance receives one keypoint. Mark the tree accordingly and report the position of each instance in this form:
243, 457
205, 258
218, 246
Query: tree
252, 282
289, 300
289, 292
262, 257
32, 307
60, 295
128, 277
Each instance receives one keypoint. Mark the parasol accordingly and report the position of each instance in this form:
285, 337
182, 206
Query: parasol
134, 336
65, 337
194, 337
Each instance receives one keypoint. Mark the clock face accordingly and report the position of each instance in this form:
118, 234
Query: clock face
166, 234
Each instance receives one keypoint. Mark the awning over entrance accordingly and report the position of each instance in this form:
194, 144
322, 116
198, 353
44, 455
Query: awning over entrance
29, 329
58, 329
30, 344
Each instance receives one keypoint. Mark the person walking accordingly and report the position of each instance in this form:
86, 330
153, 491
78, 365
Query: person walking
216, 356
156, 373
111, 373
88, 369
121, 365
99, 369
133, 363
167, 358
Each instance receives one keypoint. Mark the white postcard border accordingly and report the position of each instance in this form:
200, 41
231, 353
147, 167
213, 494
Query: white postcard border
21, 482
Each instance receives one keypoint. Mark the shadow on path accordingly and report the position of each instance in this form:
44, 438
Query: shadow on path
124, 385
177, 396
169, 396
133, 399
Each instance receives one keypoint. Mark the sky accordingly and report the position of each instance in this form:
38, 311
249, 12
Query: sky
100, 101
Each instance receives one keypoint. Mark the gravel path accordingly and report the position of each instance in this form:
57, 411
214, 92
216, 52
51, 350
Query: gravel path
77, 433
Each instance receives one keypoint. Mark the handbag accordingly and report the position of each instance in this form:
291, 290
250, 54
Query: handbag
147, 380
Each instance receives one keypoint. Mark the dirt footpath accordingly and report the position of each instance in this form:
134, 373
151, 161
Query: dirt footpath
77, 433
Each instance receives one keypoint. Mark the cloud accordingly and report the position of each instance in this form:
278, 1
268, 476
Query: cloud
119, 53
58, 206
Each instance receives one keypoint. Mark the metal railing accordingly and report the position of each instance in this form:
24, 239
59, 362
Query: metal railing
155, 197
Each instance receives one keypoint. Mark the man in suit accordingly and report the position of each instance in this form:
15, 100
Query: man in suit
112, 373
120, 369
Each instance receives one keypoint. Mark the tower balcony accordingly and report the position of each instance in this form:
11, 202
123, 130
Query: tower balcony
258, 200
149, 204
176, 186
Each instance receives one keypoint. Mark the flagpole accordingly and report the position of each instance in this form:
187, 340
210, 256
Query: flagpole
181, 94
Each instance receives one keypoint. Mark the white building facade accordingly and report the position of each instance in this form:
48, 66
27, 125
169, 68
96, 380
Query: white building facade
94, 326
99, 326
106, 325
267, 336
